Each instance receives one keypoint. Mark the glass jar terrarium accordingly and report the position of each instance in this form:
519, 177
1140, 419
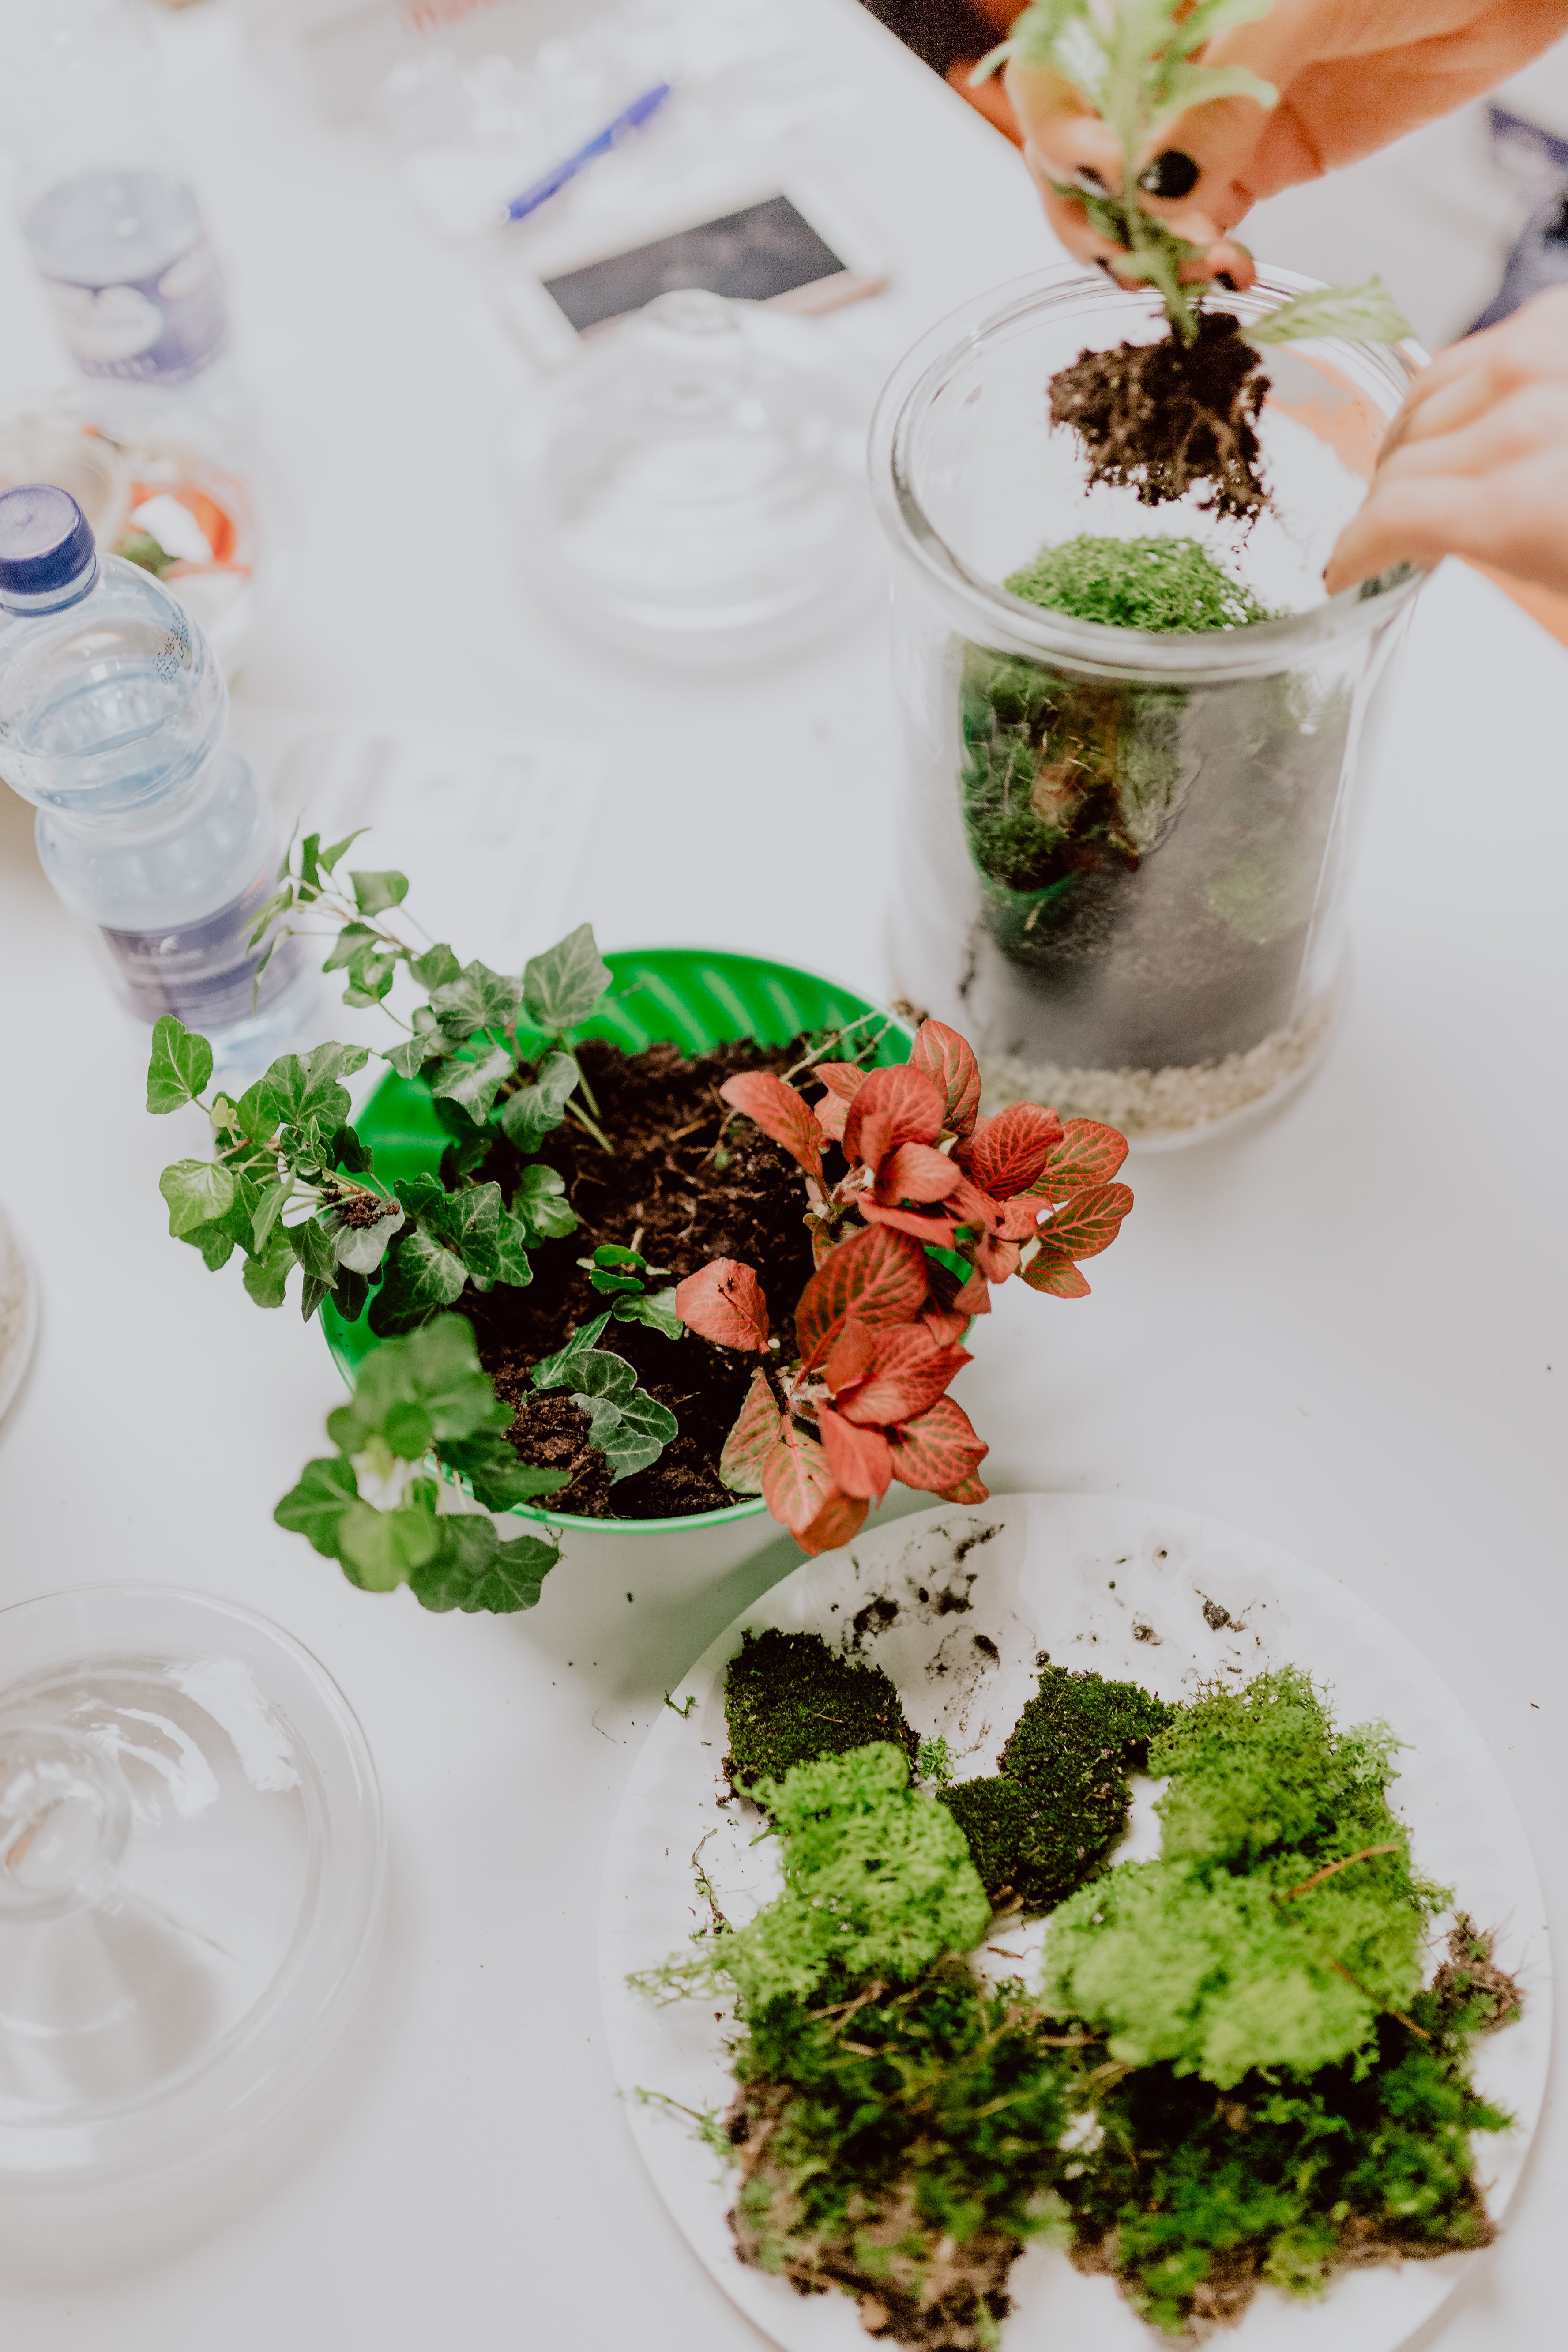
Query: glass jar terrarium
1123, 854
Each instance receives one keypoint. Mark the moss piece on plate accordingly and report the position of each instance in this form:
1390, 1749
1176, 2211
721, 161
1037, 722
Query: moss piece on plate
789, 1698
1058, 1802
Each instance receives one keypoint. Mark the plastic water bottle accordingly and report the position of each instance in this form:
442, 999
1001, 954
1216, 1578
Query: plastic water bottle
112, 712
109, 216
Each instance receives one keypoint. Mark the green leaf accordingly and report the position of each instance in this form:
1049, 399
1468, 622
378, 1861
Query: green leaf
302, 1092
560, 1371
540, 1202
410, 1057
316, 1505
279, 904
496, 1471
370, 976
1356, 314
562, 987
474, 1569
1183, 85
265, 1213
467, 1221
375, 893
266, 1278
349, 1153
314, 1247
477, 998
352, 942
350, 1292
528, 1116
474, 1083
640, 1428
656, 1308
436, 967
623, 1283
422, 1278
466, 1145
196, 1192
180, 1065
361, 1248
215, 1243
436, 1369
513, 1263
379, 1549
328, 857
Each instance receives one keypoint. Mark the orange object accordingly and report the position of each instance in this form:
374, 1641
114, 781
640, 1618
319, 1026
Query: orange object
987, 98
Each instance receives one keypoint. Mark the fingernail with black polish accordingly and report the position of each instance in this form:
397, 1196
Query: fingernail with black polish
1224, 278
1101, 262
1171, 175
1089, 181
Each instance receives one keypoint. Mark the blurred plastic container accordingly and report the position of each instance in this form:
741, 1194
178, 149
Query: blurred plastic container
158, 487
692, 485
111, 222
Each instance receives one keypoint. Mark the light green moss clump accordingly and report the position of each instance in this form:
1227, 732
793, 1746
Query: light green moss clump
1283, 1915
1138, 583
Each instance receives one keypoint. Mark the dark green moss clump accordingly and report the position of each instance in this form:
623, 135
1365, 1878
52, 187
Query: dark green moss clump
1059, 1802
788, 1699
1191, 2202
1138, 583
904, 2152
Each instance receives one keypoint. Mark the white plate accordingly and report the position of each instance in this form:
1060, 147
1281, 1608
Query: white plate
1136, 1591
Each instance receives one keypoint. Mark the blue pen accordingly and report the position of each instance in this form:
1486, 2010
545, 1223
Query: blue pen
633, 117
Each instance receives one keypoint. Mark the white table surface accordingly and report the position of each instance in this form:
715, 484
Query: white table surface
1340, 1330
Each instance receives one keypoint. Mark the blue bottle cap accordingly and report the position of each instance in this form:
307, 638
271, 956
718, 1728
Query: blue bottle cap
46, 540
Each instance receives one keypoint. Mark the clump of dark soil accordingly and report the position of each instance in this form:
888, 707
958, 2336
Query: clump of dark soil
663, 1111
1169, 417
788, 1699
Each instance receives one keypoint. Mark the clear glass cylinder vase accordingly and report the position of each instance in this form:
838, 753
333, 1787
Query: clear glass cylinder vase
1122, 855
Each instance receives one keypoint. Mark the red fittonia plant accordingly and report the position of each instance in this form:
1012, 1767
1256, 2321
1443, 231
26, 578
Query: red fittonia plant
863, 1398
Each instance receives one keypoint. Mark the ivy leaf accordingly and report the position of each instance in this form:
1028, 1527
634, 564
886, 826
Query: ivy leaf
302, 1092
436, 967
375, 893
656, 1308
266, 1278
438, 1370
645, 1428
1357, 314
474, 1085
540, 1202
315, 1507
379, 1549
328, 857
314, 1247
511, 1258
350, 1154
497, 1471
474, 1569
361, 1248
196, 1192
349, 1292
467, 1221
215, 1243
560, 1371
477, 998
422, 1278
528, 1116
410, 1057
180, 1065
562, 987
370, 976
352, 942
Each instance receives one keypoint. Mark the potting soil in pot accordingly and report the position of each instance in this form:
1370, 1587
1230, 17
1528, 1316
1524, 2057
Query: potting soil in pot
667, 1192
1149, 856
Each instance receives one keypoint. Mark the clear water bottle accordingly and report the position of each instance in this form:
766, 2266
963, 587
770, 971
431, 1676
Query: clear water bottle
109, 216
112, 711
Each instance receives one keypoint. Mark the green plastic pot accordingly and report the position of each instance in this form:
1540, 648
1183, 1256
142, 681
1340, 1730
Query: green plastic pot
689, 997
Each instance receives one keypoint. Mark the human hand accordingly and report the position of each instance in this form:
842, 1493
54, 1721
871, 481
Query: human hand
1352, 75
1476, 463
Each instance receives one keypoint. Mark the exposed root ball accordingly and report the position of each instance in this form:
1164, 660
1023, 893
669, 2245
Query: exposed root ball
1167, 417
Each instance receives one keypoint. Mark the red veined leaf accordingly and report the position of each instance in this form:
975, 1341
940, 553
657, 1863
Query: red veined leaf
948, 1329
860, 1459
974, 1297
1008, 1152
746, 1447
1054, 1273
780, 1112
906, 1107
968, 1205
1089, 1153
1088, 1222
910, 1369
971, 1489
876, 1275
915, 1172
945, 1057
994, 1258
926, 1224
839, 1521
723, 1301
940, 1450
851, 1356
796, 1480
844, 1081
1020, 1219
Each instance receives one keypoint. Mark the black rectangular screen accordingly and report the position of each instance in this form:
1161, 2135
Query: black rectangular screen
749, 256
